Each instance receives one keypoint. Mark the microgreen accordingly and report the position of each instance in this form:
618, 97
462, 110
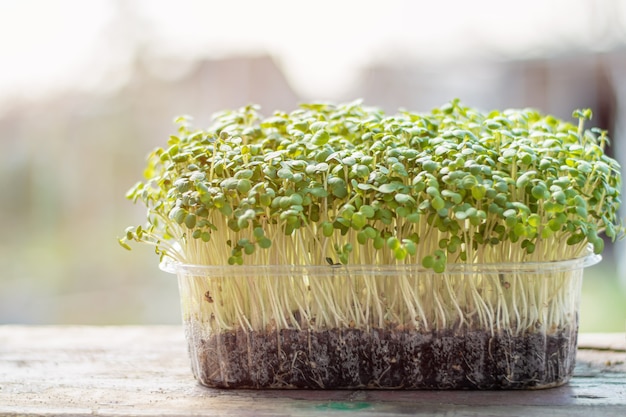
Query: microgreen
350, 183
329, 185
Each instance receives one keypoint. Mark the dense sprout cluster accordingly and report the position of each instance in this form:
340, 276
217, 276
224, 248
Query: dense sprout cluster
349, 184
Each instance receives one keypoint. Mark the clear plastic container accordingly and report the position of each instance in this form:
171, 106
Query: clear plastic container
489, 326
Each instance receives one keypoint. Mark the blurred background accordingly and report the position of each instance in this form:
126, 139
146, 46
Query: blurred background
87, 89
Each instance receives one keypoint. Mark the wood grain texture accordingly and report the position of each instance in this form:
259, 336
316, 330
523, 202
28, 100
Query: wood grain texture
145, 371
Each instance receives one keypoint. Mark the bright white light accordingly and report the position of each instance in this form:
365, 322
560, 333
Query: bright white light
321, 45
45, 44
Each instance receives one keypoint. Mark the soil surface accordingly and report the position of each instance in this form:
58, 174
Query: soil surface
383, 359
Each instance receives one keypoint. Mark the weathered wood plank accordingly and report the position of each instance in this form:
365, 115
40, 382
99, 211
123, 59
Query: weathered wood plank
603, 341
144, 370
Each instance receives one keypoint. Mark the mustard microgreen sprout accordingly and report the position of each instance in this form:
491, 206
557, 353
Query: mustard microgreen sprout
350, 184
329, 185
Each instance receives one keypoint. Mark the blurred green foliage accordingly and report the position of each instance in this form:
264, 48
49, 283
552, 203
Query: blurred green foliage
603, 299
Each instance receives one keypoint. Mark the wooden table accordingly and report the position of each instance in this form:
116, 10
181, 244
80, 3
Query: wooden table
144, 371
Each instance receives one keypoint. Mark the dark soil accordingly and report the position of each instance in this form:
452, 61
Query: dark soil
384, 359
